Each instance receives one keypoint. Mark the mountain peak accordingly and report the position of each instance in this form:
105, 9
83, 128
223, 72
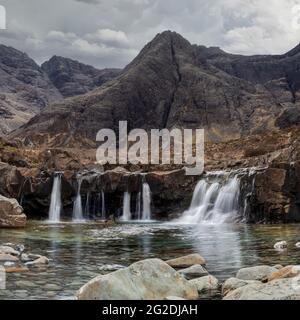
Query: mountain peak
170, 36
72, 77
294, 51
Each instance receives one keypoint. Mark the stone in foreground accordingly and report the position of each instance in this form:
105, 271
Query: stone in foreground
255, 273
150, 279
39, 261
281, 245
205, 283
11, 213
186, 261
195, 271
234, 283
282, 289
8, 257
286, 272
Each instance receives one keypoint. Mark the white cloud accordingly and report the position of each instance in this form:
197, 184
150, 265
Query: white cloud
109, 37
110, 32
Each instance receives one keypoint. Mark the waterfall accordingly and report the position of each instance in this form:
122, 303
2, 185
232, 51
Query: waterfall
55, 205
87, 205
77, 207
198, 194
126, 207
138, 206
103, 211
146, 214
142, 203
214, 201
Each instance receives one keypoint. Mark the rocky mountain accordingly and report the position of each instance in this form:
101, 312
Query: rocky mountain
72, 78
24, 89
172, 83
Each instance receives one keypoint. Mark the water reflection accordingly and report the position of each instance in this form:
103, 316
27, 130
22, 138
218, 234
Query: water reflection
78, 252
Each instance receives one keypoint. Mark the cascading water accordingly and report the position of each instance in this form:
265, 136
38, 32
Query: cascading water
87, 205
142, 204
214, 201
55, 205
198, 194
126, 207
146, 214
138, 212
77, 207
103, 211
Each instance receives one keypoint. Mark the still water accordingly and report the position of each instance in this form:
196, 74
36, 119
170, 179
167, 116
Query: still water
79, 252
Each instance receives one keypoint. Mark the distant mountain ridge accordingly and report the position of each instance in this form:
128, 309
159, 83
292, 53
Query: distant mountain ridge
72, 78
172, 83
26, 88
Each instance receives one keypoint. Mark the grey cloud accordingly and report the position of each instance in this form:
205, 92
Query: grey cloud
89, 1
112, 32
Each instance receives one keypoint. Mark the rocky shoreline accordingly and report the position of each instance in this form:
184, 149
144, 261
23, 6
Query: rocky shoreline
15, 259
185, 277
154, 279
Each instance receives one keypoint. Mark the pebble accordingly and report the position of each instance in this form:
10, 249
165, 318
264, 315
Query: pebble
280, 245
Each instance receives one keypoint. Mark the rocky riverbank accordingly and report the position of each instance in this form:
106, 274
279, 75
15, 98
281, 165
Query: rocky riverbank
11, 213
14, 258
154, 279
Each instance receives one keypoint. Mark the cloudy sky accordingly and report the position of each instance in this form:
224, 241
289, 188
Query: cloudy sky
109, 33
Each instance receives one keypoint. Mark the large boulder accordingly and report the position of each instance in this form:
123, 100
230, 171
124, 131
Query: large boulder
10, 180
234, 283
205, 283
11, 213
186, 261
150, 279
255, 273
282, 289
286, 272
194, 271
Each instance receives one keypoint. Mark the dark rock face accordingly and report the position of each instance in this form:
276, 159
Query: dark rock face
11, 213
276, 194
172, 83
11, 180
171, 191
73, 78
25, 89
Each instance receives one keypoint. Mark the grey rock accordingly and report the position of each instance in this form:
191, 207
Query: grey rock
255, 273
194, 271
8, 257
38, 262
150, 279
11, 213
282, 289
186, 261
9, 250
280, 245
234, 283
205, 283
